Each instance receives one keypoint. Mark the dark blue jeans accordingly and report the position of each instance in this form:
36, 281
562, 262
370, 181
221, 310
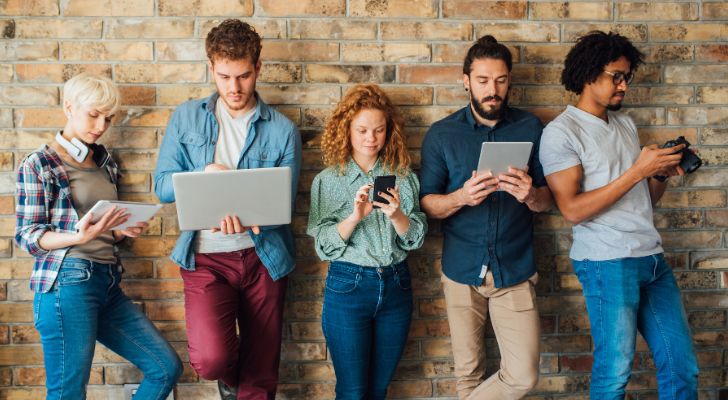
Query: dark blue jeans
366, 317
627, 295
86, 304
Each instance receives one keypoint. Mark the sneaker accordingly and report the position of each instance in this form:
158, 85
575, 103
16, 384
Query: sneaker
227, 392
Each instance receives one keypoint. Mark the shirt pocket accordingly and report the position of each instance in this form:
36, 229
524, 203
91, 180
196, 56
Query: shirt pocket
461, 165
49, 182
264, 157
193, 146
53, 189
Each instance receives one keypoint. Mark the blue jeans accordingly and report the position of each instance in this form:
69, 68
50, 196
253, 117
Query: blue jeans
627, 295
86, 304
366, 317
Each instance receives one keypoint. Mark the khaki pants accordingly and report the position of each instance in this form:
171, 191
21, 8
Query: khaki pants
516, 324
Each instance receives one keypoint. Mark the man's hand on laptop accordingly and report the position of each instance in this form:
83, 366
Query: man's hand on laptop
231, 224
216, 167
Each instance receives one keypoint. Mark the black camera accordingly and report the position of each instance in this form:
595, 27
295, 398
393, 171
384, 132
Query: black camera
689, 161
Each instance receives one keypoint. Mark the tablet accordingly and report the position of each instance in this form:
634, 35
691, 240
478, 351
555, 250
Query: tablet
140, 212
496, 157
260, 196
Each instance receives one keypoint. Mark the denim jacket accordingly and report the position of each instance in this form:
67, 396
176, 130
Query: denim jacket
189, 145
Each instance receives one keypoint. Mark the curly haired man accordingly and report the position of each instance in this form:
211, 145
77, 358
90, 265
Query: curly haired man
232, 274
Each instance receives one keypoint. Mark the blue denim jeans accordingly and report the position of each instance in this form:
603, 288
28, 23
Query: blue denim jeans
627, 295
86, 304
366, 317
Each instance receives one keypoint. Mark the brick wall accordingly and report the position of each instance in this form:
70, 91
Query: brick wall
313, 50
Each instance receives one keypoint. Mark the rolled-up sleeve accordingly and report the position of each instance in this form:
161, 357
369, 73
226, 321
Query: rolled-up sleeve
31, 213
433, 170
415, 235
322, 222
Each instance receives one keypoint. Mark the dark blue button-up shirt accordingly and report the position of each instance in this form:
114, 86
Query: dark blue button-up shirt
499, 231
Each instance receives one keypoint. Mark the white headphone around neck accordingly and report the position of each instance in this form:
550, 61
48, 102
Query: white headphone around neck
76, 148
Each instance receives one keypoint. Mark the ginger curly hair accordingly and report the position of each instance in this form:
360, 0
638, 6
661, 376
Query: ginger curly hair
336, 144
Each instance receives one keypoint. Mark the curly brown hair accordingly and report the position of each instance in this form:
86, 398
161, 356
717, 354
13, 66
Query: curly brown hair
233, 40
336, 144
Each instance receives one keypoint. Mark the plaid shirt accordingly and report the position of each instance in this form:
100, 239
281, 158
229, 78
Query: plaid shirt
44, 203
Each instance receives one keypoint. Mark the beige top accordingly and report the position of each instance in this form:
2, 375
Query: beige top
89, 185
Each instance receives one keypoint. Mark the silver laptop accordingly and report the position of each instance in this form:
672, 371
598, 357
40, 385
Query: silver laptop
260, 196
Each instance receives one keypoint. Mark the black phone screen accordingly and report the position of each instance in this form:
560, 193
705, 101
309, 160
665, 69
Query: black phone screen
381, 184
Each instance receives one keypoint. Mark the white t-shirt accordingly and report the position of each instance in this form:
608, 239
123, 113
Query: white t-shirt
230, 142
605, 152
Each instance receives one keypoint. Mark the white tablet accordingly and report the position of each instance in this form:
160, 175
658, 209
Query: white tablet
496, 157
140, 212
260, 196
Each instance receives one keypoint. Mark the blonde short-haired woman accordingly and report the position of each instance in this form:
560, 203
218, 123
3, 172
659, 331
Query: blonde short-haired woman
76, 273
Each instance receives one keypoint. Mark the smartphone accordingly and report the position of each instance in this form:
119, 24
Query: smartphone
381, 184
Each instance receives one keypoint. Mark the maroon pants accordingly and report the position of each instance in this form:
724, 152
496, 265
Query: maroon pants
224, 289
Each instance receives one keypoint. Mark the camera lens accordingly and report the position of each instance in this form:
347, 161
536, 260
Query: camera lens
690, 162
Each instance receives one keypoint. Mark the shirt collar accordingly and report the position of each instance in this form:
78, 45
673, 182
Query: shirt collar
470, 119
353, 172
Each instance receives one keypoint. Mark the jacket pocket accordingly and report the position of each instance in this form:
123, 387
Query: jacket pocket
264, 157
193, 145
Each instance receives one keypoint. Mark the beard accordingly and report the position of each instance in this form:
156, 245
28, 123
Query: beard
618, 106
614, 107
236, 106
230, 104
495, 113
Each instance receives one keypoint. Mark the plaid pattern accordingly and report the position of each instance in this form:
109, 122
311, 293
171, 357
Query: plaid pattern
44, 203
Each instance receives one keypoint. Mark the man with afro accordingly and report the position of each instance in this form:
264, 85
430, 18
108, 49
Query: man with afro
606, 187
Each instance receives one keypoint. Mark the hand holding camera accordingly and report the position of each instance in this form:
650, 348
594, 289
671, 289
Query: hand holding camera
689, 161
654, 161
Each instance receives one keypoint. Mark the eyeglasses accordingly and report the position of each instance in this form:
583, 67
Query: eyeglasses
619, 77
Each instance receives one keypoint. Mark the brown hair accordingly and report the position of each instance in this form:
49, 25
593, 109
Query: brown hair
336, 142
233, 40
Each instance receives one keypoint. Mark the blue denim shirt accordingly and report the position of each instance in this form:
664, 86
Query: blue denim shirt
189, 145
499, 231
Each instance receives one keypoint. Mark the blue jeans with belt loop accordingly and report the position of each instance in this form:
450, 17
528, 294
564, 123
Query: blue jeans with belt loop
366, 318
86, 304
627, 295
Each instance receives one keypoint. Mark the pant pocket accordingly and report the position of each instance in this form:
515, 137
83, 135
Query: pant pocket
519, 298
73, 274
404, 279
339, 281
